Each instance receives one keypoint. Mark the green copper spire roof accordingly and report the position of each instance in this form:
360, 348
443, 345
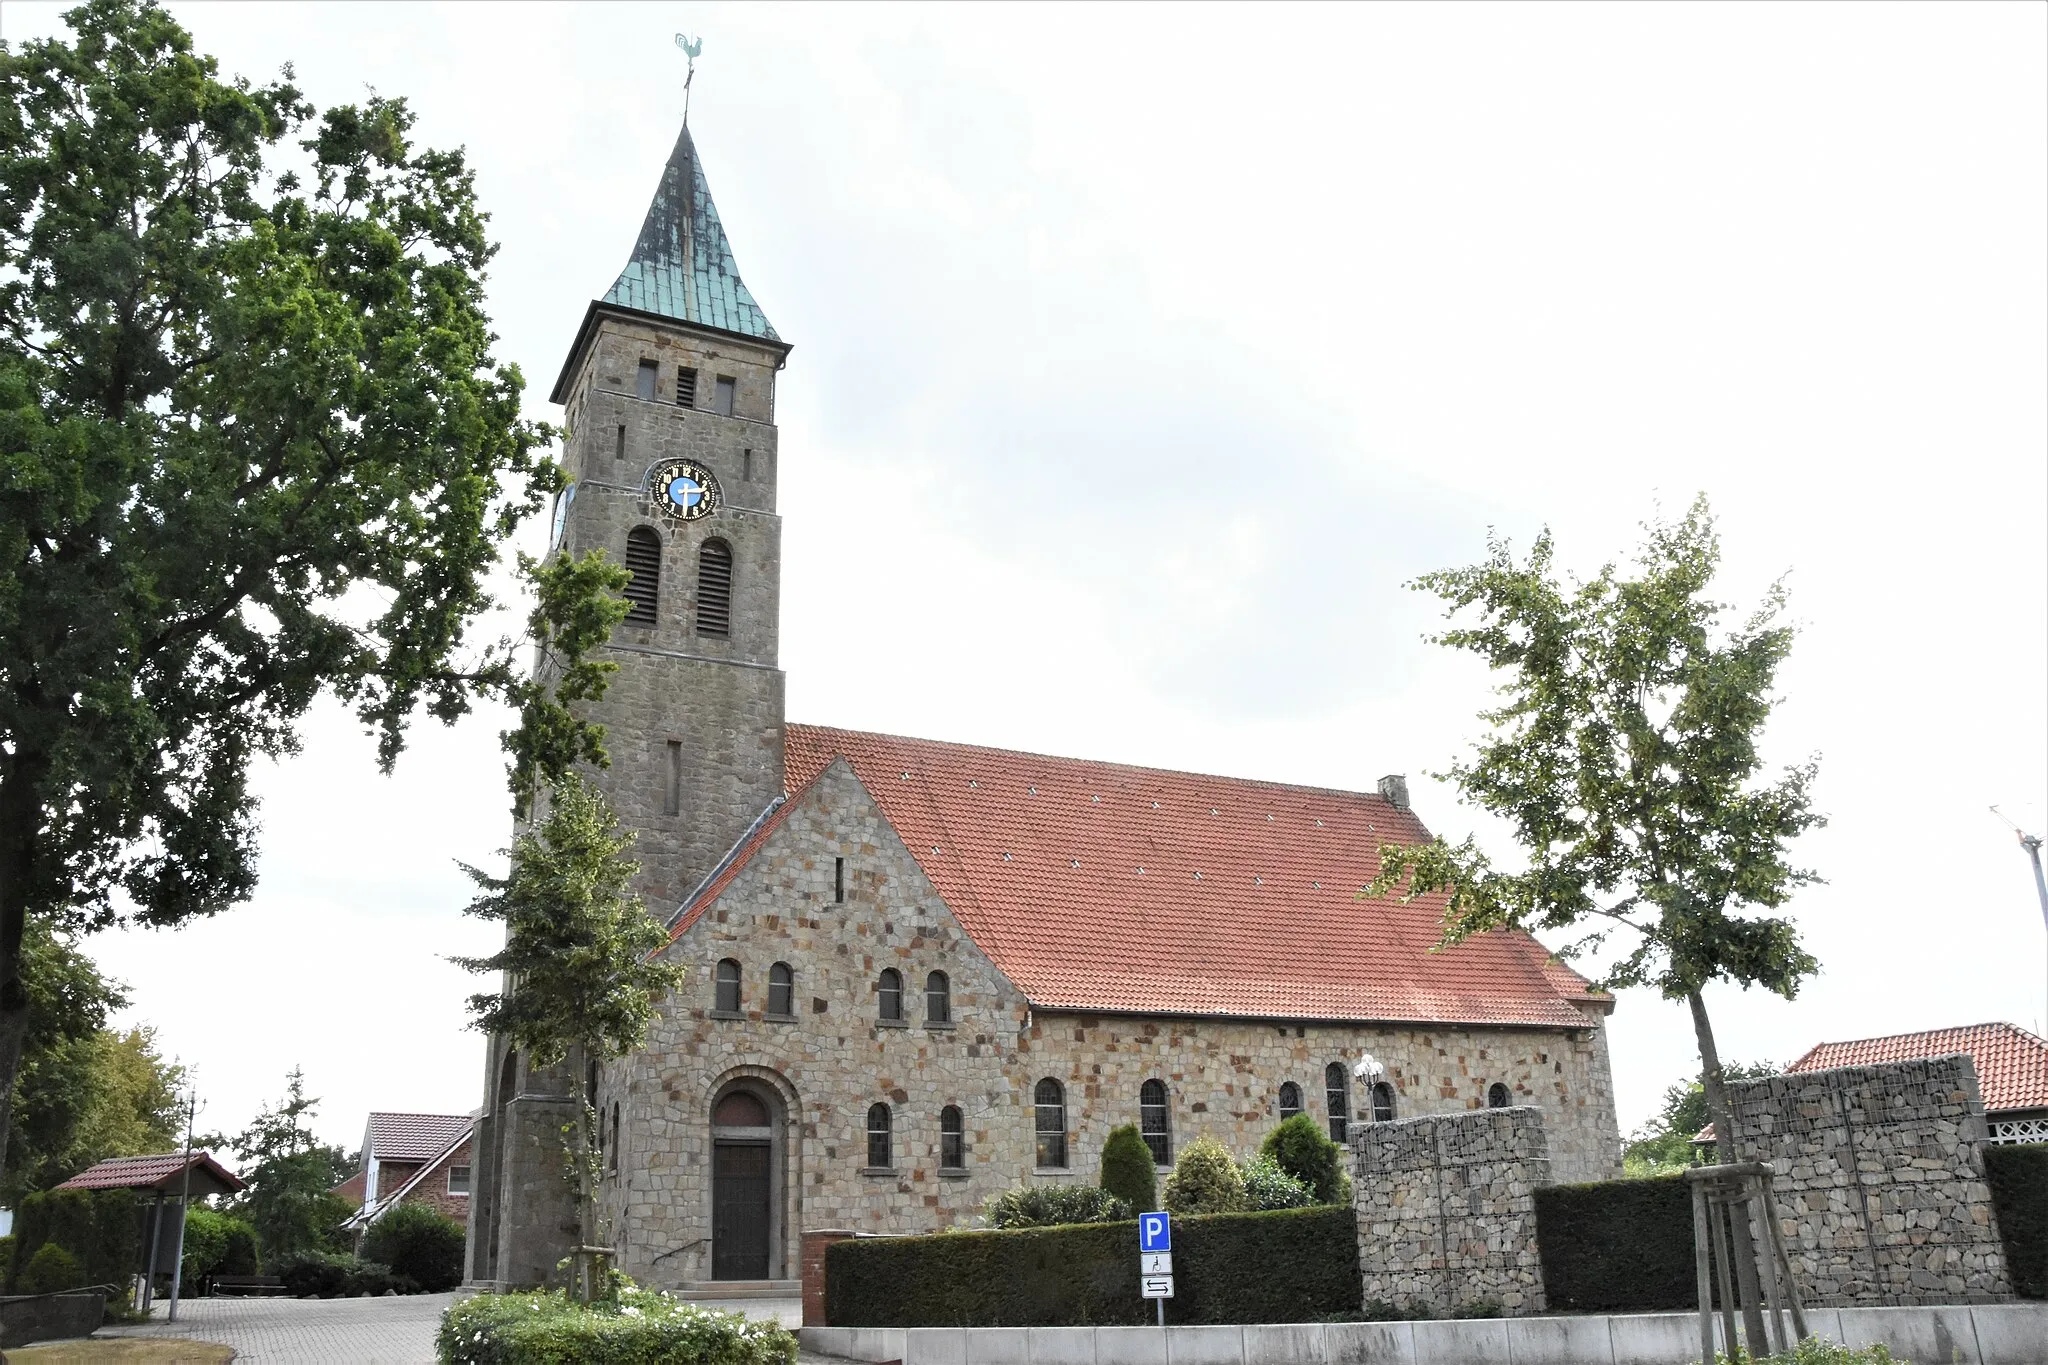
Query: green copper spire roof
682, 266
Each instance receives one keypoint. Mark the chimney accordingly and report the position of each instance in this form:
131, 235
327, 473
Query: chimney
1394, 787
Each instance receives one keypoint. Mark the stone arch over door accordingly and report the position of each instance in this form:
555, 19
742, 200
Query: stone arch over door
752, 1180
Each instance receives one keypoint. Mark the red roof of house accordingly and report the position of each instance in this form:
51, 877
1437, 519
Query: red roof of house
164, 1172
2012, 1064
1097, 886
414, 1137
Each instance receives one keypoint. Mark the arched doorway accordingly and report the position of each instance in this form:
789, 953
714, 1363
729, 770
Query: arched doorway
746, 1182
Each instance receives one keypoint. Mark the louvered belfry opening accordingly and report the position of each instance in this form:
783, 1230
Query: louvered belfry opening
714, 589
643, 561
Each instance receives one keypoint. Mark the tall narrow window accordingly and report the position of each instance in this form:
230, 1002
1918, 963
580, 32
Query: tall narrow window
686, 387
938, 999
1290, 1100
889, 994
747, 466
644, 387
878, 1137
672, 799
781, 989
728, 995
722, 396
838, 880
619, 442
1050, 1102
714, 589
614, 1152
1152, 1121
1497, 1096
952, 1141
1382, 1102
643, 589
1337, 1091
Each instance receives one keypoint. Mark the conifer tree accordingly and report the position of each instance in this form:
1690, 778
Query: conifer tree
1127, 1170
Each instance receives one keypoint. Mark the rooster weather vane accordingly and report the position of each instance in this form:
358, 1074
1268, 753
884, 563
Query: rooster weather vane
691, 48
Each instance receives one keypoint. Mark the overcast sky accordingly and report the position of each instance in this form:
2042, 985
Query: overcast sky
1142, 354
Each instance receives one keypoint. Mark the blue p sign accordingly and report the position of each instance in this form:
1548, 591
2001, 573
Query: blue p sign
1155, 1232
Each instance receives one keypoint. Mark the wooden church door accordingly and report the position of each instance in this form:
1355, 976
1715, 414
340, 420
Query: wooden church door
739, 1211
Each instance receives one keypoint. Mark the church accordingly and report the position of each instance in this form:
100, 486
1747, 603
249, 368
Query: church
922, 973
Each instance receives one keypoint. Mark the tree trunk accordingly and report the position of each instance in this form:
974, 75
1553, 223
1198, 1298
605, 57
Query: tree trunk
586, 1268
1710, 1078
20, 807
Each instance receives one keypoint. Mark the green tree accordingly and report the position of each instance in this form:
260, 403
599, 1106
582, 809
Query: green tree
1204, 1180
1301, 1148
254, 445
1625, 755
1127, 1170
289, 1173
418, 1242
580, 955
1664, 1144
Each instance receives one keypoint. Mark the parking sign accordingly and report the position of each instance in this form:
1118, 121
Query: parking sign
1155, 1232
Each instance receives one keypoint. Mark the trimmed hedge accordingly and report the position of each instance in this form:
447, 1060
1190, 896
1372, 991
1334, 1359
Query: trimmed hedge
1292, 1265
2018, 1176
101, 1228
639, 1327
1617, 1246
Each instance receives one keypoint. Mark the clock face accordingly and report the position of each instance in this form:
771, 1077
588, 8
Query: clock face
685, 491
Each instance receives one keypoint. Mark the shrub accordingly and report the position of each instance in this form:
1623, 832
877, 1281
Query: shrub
1821, 1351
418, 1243
1204, 1180
1127, 1169
2018, 1176
51, 1270
315, 1274
1617, 1246
101, 1228
640, 1326
374, 1279
1295, 1265
1266, 1186
1054, 1206
217, 1244
1303, 1150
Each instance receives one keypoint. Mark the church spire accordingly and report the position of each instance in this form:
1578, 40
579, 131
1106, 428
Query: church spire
682, 265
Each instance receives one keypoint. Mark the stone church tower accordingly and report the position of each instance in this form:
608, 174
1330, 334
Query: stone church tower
669, 391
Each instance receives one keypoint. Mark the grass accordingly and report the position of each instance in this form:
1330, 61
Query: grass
93, 1351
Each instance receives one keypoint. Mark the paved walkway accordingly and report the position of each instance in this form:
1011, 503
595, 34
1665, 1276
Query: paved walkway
393, 1331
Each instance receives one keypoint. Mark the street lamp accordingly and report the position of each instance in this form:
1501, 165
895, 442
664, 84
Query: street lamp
2032, 844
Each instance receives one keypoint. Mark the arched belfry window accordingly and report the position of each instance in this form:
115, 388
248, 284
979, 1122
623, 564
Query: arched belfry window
1152, 1121
1337, 1092
1050, 1101
727, 997
1382, 1103
878, 1137
714, 589
1497, 1096
938, 999
1290, 1100
643, 561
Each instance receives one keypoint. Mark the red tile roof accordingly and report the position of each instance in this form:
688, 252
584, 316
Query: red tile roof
1097, 886
414, 1137
164, 1172
2012, 1064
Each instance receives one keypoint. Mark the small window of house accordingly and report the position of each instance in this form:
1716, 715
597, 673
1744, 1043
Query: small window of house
714, 589
938, 999
686, 387
722, 396
1382, 1102
1152, 1121
1337, 1095
1290, 1100
781, 989
889, 994
644, 388
643, 589
1497, 1096
878, 1137
728, 997
952, 1141
458, 1180
1050, 1101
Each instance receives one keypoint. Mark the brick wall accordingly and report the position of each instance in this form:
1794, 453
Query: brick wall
814, 1273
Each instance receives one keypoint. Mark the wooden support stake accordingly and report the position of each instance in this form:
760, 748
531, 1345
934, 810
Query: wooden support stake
1701, 1262
1723, 1253
1784, 1261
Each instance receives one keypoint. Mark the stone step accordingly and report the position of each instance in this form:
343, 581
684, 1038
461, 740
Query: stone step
741, 1289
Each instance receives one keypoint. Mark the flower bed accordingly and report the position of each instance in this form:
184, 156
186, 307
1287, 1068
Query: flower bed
639, 1327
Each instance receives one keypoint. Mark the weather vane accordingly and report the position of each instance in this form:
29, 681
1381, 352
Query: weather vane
691, 47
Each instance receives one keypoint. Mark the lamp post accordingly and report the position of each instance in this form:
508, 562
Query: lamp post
184, 1203
2031, 843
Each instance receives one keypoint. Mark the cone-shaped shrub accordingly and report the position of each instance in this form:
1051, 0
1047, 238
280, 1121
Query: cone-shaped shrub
1204, 1180
1127, 1168
1305, 1151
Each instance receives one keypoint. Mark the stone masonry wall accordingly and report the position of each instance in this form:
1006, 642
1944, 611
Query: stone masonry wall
1447, 1208
821, 1068
1879, 1180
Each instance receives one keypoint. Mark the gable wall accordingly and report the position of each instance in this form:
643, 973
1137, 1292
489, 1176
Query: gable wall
1223, 1075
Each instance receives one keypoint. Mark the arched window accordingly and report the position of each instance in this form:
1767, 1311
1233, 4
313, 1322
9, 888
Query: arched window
728, 995
714, 589
1382, 1102
952, 1141
614, 1149
1337, 1094
1051, 1102
938, 999
878, 1137
1290, 1100
889, 994
1497, 1096
1152, 1121
781, 989
643, 561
